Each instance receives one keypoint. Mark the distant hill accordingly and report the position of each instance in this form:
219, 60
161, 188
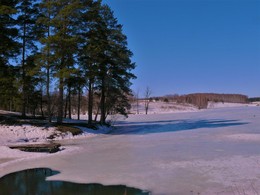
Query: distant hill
201, 100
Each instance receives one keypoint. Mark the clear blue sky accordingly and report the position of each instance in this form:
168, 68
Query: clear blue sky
188, 46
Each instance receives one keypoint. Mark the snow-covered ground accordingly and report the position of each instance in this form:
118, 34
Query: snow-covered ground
213, 151
18, 134
227, 105
12, 134
156, 107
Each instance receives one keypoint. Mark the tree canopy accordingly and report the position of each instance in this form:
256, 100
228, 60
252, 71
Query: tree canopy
63, 47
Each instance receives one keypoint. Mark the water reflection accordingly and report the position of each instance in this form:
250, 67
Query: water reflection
32, 182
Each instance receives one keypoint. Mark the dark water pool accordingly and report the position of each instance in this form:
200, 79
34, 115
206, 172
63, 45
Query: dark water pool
32, 182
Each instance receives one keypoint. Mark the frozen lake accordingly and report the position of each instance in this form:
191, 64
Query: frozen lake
212, 151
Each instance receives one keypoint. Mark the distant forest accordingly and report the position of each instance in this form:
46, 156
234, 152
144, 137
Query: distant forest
54, 52
201, 100
254, 99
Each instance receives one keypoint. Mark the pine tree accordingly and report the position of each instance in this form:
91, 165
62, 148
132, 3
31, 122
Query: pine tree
106, 60
116, 66
80, 83
45, 58
62, 41
8, 32
27, 15
79, 38
32, 79
89, 47
9, 48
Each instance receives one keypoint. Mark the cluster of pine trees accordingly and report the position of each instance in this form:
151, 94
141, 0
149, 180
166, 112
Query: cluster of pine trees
52, 47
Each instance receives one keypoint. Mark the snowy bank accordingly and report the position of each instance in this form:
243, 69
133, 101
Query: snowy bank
26, 133
10, 134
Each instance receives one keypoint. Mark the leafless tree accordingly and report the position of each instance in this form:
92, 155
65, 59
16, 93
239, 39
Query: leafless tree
147, 96
136, 98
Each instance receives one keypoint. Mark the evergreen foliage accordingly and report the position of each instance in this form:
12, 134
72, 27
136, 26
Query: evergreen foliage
28, 13
62, 47
9, 49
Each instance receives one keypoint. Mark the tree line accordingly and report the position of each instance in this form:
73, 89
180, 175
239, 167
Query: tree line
50, 48
254, 99
201, 99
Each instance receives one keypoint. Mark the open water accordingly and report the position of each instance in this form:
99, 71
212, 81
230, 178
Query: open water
33, 182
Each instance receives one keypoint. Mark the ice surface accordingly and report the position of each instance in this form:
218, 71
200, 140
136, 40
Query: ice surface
212, 151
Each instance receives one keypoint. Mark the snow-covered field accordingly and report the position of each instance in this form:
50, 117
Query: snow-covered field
213, 151
162, 107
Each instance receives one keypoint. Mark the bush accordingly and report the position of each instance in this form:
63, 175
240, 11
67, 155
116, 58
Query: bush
73, 130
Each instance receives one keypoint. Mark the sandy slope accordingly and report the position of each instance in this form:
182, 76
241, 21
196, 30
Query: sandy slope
209, 152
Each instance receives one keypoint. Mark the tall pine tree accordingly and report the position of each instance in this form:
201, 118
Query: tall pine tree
89, 47
45, 58
115, 67
63, 41
28, 13
106, 60
9, 48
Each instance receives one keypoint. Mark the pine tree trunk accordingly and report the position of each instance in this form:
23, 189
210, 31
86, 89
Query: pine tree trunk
23, 74
66, 106
10, 104
34, 112
48, 93
60, 101
98, 108
96, 116
79, 102
42, 105
48, 76
90, 101
69, 102
102, 103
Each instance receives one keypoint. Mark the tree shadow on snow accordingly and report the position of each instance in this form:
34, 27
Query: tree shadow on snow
141, 128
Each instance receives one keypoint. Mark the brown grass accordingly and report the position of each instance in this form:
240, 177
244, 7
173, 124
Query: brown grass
73, 130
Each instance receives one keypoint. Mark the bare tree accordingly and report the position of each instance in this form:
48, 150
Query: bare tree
147, 96
136, 98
